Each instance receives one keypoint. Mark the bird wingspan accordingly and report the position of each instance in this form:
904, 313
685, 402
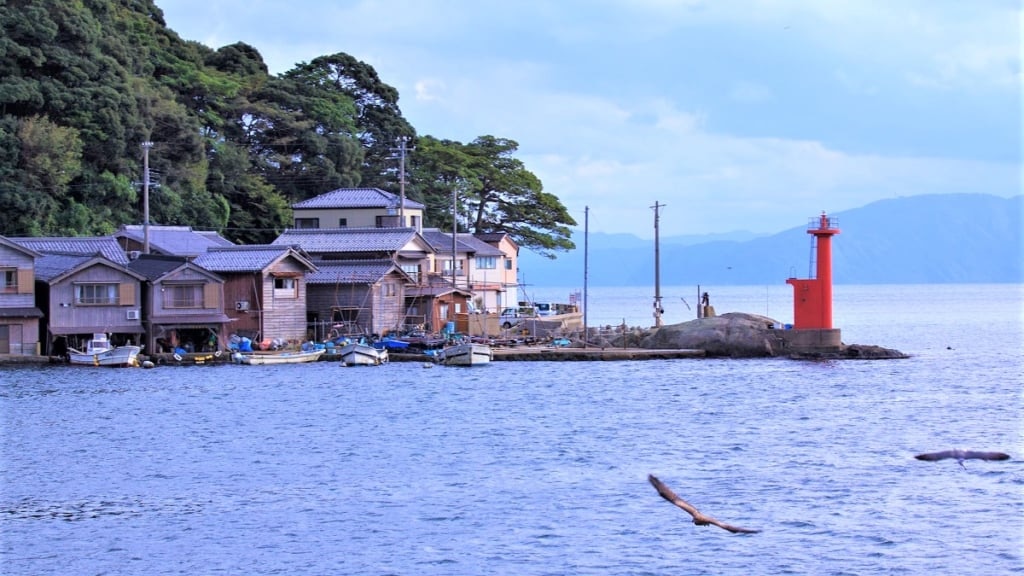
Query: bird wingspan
667, 493
962, 455
986, 455
698, 518
933, 456
733, 529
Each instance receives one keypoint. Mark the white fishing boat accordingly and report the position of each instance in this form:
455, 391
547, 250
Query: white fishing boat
361, 354
466, 354
278, 357
100, 352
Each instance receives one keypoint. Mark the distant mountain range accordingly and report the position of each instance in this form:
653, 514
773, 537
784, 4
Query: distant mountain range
938, 238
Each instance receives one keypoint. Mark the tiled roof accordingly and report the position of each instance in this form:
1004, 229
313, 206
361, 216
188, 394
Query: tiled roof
154, 267
214, 237
18, 247
491, 236
20, 312
465, 242
176, 240
243, 258
478, 246
441, 242
81, 245
356, 198
350, 272
50, 266
342, 240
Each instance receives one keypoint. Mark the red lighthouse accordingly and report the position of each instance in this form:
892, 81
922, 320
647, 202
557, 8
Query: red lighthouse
812, 298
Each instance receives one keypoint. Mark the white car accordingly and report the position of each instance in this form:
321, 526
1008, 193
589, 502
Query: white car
511, 316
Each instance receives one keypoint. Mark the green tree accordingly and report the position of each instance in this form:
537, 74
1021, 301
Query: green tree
378, 121
257, 213
496, 191
437, 169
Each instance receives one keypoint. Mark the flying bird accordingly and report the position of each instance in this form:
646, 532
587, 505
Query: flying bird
698, 518
961, 455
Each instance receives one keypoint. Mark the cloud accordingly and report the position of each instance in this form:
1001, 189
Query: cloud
430, 89
749, 115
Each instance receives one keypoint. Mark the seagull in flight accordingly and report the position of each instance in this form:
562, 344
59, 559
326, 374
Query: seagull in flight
698, 518
961, 455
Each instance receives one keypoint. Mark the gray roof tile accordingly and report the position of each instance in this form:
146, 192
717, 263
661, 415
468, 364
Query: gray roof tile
351, 272
478, 246
50, 266
154, 267
18, 247
175, 240
347, 240
107, 246
356, 198
465, 242
241, 258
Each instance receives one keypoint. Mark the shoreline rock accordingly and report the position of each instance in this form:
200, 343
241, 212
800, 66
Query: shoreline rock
742, 335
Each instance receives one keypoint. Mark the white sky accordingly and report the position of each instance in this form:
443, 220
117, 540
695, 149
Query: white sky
737, 115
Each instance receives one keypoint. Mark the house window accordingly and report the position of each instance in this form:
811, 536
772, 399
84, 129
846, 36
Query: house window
508, 264
286, 287
389, 290
307, 222
342, 222
10, 280
448, 267
96, 294
413, 270
486, 263
183, 296
388, 221
414, 222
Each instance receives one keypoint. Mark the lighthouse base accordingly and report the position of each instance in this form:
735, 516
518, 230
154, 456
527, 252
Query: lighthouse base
811, 340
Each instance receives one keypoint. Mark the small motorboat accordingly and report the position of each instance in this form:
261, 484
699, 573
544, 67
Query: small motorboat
362, 354
258, 359
466, 354
100, 352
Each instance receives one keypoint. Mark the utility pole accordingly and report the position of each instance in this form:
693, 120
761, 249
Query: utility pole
145, 195
455, 230
401, 140
657, 269
586, 267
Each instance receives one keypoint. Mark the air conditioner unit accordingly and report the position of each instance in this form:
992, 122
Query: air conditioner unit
242, 305
133, 314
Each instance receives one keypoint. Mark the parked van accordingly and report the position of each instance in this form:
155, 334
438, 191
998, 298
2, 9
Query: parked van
545, 309
511, 316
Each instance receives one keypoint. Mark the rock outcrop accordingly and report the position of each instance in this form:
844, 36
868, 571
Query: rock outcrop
735, 335
741, 335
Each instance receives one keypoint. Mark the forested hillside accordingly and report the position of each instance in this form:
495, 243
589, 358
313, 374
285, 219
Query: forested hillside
83, 84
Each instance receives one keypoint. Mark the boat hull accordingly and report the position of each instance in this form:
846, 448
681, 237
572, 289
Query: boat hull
467, 354
362, 355
280, 358
115, 357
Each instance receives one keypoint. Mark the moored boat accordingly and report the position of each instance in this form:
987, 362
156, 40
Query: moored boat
278, 357
466, 354
362, 354
100, 352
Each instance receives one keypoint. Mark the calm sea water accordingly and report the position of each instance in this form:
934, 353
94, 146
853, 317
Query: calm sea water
537, 468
